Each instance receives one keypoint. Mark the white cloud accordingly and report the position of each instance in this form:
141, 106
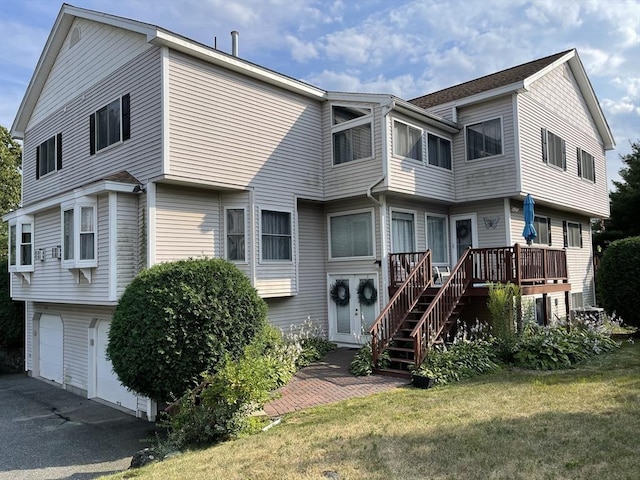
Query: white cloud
600, 62
301, 51
631, 85
622, 106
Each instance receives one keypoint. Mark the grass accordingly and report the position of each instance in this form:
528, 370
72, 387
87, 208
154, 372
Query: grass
582, 423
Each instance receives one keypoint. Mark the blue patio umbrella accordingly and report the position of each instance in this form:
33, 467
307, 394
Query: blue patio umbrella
529, 232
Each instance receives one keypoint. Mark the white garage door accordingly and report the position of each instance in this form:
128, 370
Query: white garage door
108, 387
51, 359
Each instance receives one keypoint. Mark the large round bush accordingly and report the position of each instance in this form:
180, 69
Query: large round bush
177, 320
618, 280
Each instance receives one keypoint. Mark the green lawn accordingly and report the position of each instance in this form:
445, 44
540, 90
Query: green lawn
582, 423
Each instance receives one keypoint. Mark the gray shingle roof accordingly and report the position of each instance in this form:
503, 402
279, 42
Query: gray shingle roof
486, 83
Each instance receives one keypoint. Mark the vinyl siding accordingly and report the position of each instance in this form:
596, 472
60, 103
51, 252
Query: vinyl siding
228, 129
555, 103
486, 212
420, 209
187, 223
29, 313
52, 282
351, 178
414, 177
310, 302
141, 155
237, 200
78, 66
494, 176
127, 241
444, 111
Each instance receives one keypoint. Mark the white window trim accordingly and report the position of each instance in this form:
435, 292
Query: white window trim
546, 241
18, 222
293, 235
76, 206
100, 150
560, 168
446, 234
55, 159
415, 226
393, 141
466, 150
582, 177
577, 224
246, 234
373, 235
351, 124
426, 146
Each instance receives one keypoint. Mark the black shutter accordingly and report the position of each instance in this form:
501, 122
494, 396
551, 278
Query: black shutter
126, 118
564, 155
593, 163
580, 235
579, 163
549, 230
92, 134
565, 234
37, 162
59, 152
544, 145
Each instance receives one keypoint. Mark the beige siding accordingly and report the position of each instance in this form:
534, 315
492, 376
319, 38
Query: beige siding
29, 313
420, 210
79, 66
187, 223
414, 177
352, 178
226, 128
444, 111
237, 200
554, 102
311, 301
494, 176
141, 155
128, 242
491, 222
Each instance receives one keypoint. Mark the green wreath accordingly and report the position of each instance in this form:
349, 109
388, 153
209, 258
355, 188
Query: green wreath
367, 293
340, 292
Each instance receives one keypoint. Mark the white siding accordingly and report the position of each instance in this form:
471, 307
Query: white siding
128, 243
494, 176
414, 177
79, 66
555, 103
445, 111
141, 155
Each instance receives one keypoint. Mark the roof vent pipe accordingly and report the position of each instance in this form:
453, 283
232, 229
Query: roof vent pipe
234, 43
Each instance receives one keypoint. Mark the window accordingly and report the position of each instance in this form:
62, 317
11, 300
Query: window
553, 150
484, 139
110, 124
276, 235
572, 234
439, 151
576, 300
49, 156
235, 232
402, 232
586, 165
407, 141
352, 134
543, 229
79, 236
351, 235
21, 244
437, 238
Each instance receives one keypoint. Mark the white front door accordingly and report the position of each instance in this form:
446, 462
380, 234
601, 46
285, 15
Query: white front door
464, 234
108, 386
51, 348
353, 307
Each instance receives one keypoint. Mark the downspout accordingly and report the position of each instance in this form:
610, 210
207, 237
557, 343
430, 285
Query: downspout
254, 243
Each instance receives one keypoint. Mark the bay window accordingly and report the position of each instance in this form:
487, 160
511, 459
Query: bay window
407, 141
352, 133
439, 151
79, 235
235, 231
21, 250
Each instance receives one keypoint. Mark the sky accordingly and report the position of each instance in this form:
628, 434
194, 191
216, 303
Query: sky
404, 47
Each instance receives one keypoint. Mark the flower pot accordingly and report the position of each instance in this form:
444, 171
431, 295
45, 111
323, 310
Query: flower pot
422, 382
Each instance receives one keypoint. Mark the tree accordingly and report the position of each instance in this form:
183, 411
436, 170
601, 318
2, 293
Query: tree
10, 179
625, 203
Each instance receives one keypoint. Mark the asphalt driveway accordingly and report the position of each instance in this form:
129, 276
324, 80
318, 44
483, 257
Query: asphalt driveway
49, 433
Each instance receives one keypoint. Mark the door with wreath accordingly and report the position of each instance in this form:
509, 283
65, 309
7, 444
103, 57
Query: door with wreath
353, 307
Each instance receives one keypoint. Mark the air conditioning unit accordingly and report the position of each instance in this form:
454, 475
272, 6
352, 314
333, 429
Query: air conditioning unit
56, 252
40, 254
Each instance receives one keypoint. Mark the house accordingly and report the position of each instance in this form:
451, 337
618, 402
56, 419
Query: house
142, 146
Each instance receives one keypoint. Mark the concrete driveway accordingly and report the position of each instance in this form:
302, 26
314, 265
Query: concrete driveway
49, 433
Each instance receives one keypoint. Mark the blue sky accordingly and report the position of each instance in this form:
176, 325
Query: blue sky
407, 48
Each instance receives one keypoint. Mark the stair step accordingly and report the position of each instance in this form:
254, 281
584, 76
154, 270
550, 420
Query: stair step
406, 361
401, 349
392, 372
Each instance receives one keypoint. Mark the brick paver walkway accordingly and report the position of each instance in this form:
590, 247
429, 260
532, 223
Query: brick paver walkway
328, 381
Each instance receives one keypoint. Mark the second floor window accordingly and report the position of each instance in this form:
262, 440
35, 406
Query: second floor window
484, 139
49, 156
586, 165
439, 151
407, 141
543, 229
276, 235
553, 149
352, 133
110, 124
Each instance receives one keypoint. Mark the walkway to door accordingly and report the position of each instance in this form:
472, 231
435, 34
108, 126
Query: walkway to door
326, 382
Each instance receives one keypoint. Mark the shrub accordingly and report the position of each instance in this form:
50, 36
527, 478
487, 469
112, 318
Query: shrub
618, 280
310, 338
362, 363
177, 320
11, 312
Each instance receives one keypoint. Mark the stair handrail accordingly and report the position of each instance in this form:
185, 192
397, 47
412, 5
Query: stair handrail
399, 306
441, 307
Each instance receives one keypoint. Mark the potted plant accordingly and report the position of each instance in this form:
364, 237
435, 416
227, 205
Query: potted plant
425, 376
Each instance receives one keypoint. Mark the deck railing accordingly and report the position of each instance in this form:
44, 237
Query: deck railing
414, 269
